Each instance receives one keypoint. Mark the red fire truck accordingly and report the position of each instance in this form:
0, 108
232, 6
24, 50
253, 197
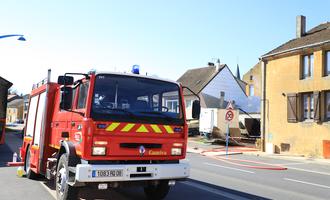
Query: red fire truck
4, 86
107, 130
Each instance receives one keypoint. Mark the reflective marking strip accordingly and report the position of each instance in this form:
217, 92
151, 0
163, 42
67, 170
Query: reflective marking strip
128, 127
113, 126
34, 147
142, 129
27, 138
168, 129
156, 128
54, 146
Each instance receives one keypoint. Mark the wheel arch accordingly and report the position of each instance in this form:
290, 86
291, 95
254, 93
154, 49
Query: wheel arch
69, 148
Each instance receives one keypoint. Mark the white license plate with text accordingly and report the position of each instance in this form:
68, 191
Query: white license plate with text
107, 173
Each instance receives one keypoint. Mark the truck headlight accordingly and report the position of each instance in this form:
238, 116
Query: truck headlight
176, 151
98, 151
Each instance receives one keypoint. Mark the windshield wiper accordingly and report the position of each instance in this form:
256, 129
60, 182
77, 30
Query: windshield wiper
157, 113
121, 110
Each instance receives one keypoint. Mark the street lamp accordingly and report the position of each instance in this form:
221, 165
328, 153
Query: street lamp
21, 37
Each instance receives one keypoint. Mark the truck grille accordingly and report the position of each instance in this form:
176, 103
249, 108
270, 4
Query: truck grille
136, 145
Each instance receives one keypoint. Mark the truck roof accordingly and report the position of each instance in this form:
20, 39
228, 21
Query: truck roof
136, 75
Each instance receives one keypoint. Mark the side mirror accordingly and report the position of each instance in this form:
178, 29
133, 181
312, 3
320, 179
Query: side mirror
66, 98
196, 109
65, 80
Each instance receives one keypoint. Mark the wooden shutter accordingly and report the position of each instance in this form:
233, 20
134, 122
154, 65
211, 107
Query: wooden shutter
322, 106
292, 108
317, 105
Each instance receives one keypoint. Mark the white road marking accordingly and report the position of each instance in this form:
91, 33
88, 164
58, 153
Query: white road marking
307, 183
51, 192
310, 171
227, 195
232, 168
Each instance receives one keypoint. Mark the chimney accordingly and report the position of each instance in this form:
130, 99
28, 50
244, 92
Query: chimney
222, 99
300, 26
210, 64
218, 65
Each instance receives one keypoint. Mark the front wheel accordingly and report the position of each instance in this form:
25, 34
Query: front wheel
157, 192
27, 165
63, 190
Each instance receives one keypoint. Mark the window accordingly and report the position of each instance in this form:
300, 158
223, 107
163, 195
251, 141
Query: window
327, 105
83, 91
39, 118
173, 106
136, 99
251, 77
308, 106
251, 89
327, 64
188, 103
307, 66
31, 116
171, 101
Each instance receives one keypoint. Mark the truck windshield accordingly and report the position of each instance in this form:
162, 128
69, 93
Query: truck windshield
136, 99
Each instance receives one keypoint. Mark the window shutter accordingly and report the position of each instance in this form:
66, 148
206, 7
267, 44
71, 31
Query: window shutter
322, 106
317, 114
292, 113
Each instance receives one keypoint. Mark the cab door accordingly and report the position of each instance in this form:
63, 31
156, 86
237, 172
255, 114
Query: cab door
79, 113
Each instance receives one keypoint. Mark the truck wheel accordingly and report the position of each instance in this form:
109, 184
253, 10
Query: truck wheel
157, 192
63, 190
29, 173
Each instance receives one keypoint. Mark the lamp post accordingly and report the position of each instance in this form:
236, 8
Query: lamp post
20, 37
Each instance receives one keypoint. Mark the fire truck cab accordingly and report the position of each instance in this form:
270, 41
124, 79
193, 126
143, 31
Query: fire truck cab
107, 130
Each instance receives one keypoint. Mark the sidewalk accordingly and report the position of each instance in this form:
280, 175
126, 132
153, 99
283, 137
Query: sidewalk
200, 146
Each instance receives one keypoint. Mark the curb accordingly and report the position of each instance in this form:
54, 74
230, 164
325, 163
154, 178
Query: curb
288, 157
206, 153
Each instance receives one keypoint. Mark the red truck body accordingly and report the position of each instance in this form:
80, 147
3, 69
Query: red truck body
104, 142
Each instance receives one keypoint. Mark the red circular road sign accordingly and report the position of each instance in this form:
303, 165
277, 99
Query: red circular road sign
229, 115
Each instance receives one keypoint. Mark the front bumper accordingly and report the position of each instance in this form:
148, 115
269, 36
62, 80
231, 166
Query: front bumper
130, 172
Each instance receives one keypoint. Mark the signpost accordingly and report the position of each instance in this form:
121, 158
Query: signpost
229, 116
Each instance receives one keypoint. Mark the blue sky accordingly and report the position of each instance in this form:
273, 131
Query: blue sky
164, 37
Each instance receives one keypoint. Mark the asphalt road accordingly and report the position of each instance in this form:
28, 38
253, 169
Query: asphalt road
211, 178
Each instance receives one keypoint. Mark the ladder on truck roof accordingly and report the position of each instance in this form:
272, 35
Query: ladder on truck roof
43, 81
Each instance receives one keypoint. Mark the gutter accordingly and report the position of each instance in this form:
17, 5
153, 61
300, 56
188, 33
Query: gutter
294, 49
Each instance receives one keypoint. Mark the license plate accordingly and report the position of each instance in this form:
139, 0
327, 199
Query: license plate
107, 173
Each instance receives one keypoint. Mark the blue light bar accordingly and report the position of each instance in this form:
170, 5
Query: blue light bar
136, 69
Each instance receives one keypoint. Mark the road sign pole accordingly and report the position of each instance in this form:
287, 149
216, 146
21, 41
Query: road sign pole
227, 139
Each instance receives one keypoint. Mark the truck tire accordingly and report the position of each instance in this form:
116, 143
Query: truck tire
29, 173
63, 190
157, 192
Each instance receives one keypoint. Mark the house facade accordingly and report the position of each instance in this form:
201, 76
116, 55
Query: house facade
296, 93
15, 110
252, 78
215, 85
4, 86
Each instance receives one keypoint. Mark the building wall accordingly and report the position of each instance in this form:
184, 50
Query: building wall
14, 113
283, 77
226, 82
255, 72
